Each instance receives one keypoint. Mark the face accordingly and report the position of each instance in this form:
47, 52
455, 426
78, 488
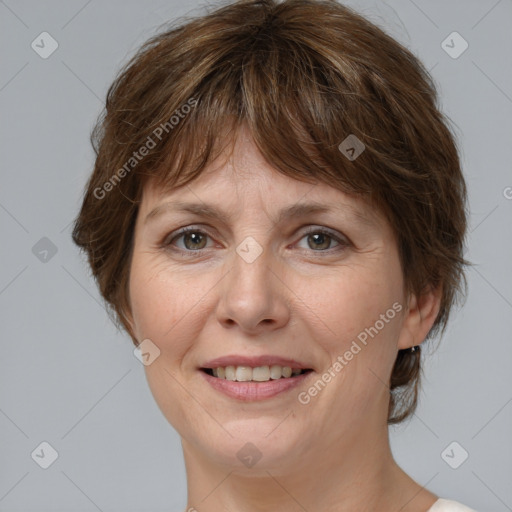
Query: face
317, 291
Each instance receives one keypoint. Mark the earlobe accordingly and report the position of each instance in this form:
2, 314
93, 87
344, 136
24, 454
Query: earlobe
419, 318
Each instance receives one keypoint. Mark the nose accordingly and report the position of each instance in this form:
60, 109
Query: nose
254, 297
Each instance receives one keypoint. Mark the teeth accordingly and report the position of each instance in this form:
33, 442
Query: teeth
230, 373
243, 373
276, 372
287, 371
257, 374
261, 373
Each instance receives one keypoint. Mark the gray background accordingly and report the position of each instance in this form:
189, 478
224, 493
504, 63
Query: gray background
69, 378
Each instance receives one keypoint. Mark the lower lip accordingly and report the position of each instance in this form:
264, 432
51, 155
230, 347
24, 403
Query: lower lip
254, 391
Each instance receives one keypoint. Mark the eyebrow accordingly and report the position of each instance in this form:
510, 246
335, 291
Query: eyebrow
294, 211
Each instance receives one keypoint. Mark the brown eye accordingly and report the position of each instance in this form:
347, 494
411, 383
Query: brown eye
321, 240
193, 240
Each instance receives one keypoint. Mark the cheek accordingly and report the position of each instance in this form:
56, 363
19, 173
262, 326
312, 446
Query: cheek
361, 313
152, 307
163, 311
158, 299
168, 305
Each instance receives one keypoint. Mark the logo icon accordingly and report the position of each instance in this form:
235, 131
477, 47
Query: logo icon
249, 455
44, 45
454, 45
249, 249
454, 455
44, 250
351, 147
44, 455
146, 352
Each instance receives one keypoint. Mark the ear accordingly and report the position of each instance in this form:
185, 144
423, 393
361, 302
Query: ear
419, 317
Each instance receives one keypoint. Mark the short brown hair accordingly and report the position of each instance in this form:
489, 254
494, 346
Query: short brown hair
303, 75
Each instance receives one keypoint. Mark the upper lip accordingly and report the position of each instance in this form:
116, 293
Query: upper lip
254, 361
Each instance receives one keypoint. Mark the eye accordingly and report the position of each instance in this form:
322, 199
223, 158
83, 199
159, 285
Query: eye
193, 239
320, 240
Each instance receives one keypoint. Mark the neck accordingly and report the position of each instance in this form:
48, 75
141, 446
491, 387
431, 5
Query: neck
351, 474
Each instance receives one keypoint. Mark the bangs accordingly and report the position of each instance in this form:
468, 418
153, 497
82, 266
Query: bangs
293, 116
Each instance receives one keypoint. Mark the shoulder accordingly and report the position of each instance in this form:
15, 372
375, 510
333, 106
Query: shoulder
442, 505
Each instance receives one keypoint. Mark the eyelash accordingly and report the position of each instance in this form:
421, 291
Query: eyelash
167, 244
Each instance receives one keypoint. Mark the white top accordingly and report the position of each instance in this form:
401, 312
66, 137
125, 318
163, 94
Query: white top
442, 505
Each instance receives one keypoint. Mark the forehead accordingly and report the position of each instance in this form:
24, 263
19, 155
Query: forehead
240, 165
242, 179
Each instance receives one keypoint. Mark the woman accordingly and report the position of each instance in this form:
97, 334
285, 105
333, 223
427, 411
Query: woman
277, 217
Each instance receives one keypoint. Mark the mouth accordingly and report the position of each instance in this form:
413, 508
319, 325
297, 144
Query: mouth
254, 383
265, 373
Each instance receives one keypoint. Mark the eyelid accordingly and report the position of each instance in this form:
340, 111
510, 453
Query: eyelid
322, 229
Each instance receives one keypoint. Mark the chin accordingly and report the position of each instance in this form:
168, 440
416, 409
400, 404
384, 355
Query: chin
256, 444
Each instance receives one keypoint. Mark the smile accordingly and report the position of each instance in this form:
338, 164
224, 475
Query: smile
256, 374
250, 384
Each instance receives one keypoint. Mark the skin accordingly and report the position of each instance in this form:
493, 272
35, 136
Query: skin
304, 297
